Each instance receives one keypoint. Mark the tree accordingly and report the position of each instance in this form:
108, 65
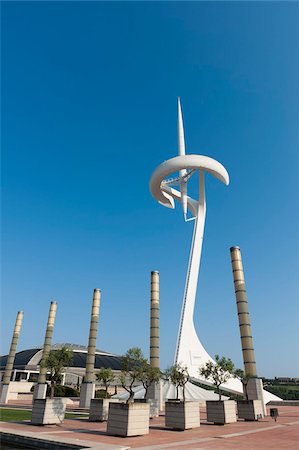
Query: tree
56, 362
179, 376
218, 372
131, 370
148, 375
105, 376
239, 373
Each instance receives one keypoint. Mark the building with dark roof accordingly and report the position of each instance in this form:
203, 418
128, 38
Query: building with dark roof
26, 364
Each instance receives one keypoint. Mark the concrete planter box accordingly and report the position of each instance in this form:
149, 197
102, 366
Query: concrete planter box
182, 415
99, 409
221, 412
250, 409
128, 419
48, 411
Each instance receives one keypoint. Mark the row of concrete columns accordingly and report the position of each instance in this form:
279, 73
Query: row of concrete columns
88, 386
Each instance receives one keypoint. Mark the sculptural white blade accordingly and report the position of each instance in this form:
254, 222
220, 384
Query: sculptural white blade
189, 350
182, 151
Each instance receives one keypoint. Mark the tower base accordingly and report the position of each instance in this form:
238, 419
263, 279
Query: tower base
155, 393
4, 392
254, 390
86, 394
40, 391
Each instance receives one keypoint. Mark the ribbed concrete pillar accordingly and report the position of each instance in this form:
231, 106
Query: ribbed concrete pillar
154, 391
254, 389
88, 387
89, 377
243, 313
5, 385
154, 321
40, 388
13, 348
48, 341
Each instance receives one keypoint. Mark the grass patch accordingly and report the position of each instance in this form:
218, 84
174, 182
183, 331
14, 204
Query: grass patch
74, 416
17, 415
10, 415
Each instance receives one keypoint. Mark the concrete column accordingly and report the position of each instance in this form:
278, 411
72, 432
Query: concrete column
154, 321
154, 390
40, 388
88, 386
254, 386
243, 313
11, 358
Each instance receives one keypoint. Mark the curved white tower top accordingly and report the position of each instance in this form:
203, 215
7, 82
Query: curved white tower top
189, 350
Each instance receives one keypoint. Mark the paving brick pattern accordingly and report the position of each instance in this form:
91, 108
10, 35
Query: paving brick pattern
263, 435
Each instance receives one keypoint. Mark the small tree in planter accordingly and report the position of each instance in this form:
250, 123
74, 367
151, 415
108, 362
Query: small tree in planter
219, 372
105, 376
129, 419
56, 362
239, 373
179, 376
131, 370
50, 411
180, 415
248, 409
148, 375
99, 406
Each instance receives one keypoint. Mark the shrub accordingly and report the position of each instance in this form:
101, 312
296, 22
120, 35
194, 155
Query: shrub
63, 391
101, 393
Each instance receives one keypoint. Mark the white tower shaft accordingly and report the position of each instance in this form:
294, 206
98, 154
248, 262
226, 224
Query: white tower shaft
189, 350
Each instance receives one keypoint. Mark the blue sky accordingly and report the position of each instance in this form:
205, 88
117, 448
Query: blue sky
89, 95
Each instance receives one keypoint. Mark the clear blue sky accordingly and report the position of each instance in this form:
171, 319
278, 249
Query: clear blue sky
89, 95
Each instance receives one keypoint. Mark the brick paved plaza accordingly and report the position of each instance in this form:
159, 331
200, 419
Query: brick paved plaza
262, 435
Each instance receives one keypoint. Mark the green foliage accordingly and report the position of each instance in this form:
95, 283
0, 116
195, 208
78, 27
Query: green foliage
285, 392
63, 391
131, 370
56, 362
239, 373
102, 393
148, 375
218, 372
179, 376
105, 376
134, 368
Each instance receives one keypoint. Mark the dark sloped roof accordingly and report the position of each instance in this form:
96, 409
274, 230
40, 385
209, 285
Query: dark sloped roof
79, 360
114, 362
21, 359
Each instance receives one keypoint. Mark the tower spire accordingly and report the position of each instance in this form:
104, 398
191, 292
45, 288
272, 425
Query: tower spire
181, 137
